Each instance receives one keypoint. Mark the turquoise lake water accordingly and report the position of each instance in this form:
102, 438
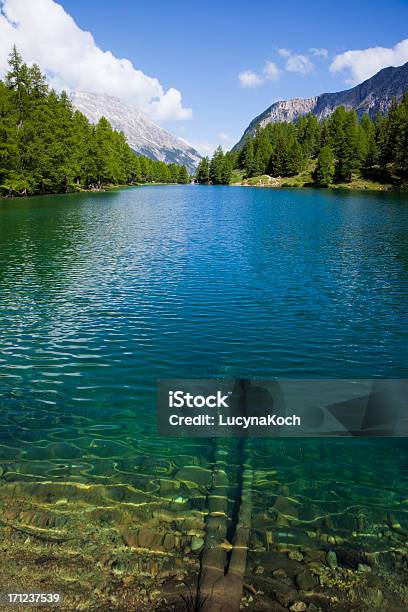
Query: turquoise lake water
102, 294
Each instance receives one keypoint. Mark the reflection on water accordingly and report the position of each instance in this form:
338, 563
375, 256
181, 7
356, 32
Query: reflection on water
103, 294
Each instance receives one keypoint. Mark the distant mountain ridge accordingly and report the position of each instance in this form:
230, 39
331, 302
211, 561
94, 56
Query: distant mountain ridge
144, 136
373, 95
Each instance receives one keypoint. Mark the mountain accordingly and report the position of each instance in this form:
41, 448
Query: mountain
373, 95
144, 136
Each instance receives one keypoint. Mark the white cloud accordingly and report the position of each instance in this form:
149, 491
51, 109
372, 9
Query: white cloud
270, 72
296, 62
45, 33
361, 64
317, 52
248, 78
299, 63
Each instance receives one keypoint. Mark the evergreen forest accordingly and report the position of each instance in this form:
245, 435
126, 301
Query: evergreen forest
46, 146
336, 148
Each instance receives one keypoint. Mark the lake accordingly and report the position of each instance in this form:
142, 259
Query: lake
102, 294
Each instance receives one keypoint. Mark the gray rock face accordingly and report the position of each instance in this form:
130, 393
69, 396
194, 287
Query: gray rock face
373, 95
144, 136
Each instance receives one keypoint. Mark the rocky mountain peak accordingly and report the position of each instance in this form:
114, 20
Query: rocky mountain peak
143, 135
372, 96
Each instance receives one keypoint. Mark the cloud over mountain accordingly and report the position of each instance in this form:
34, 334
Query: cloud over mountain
360, 64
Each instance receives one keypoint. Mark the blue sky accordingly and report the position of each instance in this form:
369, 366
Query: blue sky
200, 49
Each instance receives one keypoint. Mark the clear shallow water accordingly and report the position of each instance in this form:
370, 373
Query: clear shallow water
101, 294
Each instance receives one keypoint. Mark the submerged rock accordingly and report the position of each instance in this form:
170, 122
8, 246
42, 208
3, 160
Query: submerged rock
285, 507
130, 538
331, 559
195, 474
196, 543
148, 538
169, 542
305, 581
284, 593
295, 555
350, 557
298, 606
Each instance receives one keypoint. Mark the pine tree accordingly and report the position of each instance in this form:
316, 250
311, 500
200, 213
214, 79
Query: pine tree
262, 151
203, 171
324, 171
368, 147
216, 167
277, 160
227, 167
294, 159
248, 157
174, 173
400, 157
184, 176
343, 131
309, 134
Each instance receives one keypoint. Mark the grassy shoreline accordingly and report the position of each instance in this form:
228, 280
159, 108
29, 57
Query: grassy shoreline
82, 190
278, 183
304, 179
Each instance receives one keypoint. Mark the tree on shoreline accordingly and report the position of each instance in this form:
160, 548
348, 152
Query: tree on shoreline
218, 171
183, 176
324, 171
46, 146
203, 171
372, 148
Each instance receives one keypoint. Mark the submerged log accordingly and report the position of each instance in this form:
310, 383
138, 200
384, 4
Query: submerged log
222, 571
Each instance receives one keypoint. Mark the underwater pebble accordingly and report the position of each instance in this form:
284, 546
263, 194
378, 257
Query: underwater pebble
305, 581
130, 538
331, 559
154, 569
196, 543
362, 567
169, 542
259, 570
295, 555
298, 606
195, 474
